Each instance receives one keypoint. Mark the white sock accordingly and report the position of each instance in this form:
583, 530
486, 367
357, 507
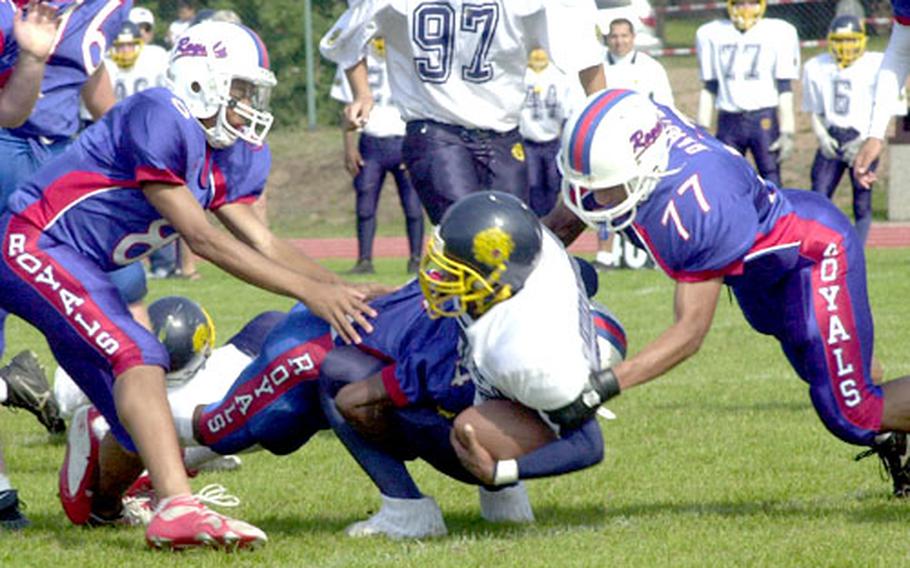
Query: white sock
3, 394
5, 484
198, 455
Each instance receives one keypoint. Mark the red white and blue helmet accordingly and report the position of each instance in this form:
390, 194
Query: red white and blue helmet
206, 60
616, 139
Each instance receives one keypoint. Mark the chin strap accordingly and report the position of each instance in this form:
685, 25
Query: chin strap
602, 386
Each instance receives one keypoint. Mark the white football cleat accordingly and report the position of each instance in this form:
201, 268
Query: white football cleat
508, 505
402, 518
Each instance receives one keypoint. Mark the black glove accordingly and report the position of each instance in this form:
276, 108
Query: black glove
602, 386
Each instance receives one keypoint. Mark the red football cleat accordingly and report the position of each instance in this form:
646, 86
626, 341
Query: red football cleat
77, 476
183, 522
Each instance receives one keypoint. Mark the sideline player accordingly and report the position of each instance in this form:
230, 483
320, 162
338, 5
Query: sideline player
791, 258
839, 90
377, 153
173, 154
456, 73
747, 64
890, 80
27, 33
521, 325
548, 100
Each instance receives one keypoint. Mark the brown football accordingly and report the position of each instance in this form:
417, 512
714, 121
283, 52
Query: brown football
505, 428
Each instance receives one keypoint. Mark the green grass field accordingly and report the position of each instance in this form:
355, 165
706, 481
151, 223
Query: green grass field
720, 463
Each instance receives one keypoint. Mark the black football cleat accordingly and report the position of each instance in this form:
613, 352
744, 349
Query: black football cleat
413, 265
27, 388
11, 518
363, 266
891, 448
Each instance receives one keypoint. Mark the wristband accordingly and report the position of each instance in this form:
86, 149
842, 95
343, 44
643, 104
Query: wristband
505, 472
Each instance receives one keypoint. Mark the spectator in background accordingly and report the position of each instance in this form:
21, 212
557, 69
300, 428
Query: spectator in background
891, 77
747, 64
548, 95
378, 152
186, 12
838, 89
145, 19
628, 68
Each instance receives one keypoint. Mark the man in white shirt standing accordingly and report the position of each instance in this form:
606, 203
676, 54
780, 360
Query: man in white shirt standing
457, 75
628, 68
747, 64
548, 96
839, 89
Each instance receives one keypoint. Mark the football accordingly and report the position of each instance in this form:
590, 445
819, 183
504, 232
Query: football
505, 428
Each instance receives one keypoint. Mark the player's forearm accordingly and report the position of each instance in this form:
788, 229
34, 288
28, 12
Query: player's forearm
891, 76
785, 114
674, 346
576, 450
593, 79
564, 224
291, 257
359, 80
242, 261
18, 97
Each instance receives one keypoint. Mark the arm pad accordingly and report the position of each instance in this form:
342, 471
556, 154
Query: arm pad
602, 386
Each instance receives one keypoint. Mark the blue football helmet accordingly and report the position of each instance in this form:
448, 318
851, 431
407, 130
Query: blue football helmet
846, 39
186, 331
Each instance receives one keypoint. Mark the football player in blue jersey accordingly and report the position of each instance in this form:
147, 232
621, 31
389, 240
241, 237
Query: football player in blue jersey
890, 79
791, 258
133, 181
26, 42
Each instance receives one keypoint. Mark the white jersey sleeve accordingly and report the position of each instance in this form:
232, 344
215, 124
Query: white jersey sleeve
747, 65
538, 347
385, 119
345, 42
813, 82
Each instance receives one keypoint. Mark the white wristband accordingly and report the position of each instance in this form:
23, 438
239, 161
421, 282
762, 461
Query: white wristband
505, 472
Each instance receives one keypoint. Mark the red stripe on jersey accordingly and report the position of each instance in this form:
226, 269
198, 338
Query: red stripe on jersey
68, 190
68, 297
733, 269
902, 20
392, 386
4, 76
148, 174
278, 377
220, 198
611, 329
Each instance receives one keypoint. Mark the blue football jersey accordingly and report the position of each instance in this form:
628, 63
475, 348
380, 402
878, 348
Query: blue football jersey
422, 353
9, 50
901, 10
710, 211
90, 196
87, 28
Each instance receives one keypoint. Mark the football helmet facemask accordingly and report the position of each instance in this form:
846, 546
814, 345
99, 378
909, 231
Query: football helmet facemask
745, 14
186, 331
127, 46
616, 139
846, 39
219, 66
485, 247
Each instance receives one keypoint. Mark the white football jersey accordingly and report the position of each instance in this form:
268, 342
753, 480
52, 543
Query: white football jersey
148, 71
747, 65
463, 63
539, 346
210, 383
547, 104
639, 72
385, 120
843, 97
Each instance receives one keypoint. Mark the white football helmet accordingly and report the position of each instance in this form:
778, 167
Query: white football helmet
216, 66
616, 138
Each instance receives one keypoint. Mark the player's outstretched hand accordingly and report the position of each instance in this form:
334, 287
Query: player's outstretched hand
474, 457
372, 290
784, 145
36, 30
342, 305
868, 153
357, 112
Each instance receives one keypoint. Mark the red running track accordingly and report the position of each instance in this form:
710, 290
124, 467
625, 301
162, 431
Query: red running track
882, 235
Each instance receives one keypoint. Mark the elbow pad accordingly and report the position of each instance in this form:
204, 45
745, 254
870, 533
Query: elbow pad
602, 386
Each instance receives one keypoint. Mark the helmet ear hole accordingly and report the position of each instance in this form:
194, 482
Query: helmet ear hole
195, 86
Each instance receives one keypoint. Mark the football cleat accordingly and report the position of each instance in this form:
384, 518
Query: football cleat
80, 466
891, 448
363, 266
184, 522
507, 505
11, 518
402, 518
27, 388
